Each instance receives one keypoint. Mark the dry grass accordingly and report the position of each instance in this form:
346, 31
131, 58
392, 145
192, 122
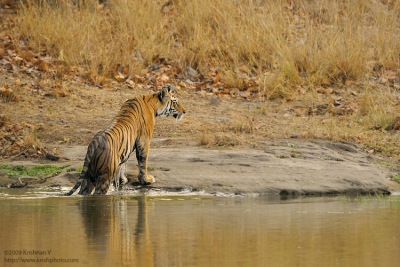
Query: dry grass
30, 139
3, 120
288, 48
285, 44
252, 123
220, 139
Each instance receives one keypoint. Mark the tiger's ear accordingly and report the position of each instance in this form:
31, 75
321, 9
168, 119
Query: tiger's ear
163, 95
170, 88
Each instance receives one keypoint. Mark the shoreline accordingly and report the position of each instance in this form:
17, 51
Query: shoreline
301, 168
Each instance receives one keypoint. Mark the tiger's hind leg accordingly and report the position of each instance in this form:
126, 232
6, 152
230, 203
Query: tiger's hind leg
120, 178
86, 187
106, 170
102, 185
105, 178
142, 154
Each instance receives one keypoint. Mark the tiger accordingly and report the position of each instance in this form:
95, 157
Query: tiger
130, 130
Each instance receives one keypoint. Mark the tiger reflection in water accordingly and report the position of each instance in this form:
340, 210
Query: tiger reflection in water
119, 228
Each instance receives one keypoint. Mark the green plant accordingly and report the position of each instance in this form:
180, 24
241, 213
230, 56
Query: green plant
396, 178
5, 167
150, 168
40, 171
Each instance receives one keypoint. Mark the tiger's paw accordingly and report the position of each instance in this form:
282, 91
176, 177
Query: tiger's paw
146, 180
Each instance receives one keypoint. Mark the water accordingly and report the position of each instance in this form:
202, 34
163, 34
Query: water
198, 231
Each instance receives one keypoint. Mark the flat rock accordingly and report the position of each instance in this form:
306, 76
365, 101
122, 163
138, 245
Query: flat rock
284, 168
311, 168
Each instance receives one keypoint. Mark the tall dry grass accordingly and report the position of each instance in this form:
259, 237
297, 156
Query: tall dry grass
284, 44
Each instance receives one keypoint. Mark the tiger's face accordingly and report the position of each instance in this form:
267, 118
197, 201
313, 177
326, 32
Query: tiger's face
172, 106
176, 109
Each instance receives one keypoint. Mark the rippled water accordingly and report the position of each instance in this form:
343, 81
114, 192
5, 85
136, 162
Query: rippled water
198, 231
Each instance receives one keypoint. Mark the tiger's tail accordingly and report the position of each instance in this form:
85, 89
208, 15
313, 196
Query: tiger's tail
83, 179
76, 186
82, 182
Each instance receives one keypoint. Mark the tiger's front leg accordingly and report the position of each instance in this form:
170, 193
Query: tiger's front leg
142, 154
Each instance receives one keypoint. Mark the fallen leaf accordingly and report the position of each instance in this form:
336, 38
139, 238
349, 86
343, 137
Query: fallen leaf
245, 94
138, 79
326, 91
253, 89
318, 110
217, 77
164, 78
18, 59
234, 91
125, 70
182, 84
120, 77
2, 52
394, 126
383, 80
27, 55
42, 65
300, 112
61, 93
193, 74
390, 75
326, 82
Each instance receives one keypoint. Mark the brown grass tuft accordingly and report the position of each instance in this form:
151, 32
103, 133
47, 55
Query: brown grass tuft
3, 120
29, 139
220, 139
7, 95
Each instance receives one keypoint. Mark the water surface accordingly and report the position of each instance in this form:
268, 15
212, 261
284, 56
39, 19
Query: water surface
198, 230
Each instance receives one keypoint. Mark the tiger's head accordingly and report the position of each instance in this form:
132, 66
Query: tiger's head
171, 105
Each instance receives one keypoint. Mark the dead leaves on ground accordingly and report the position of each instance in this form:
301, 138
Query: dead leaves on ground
16, 57
18, 140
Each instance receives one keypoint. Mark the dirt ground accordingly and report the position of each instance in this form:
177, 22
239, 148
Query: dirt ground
214, 149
